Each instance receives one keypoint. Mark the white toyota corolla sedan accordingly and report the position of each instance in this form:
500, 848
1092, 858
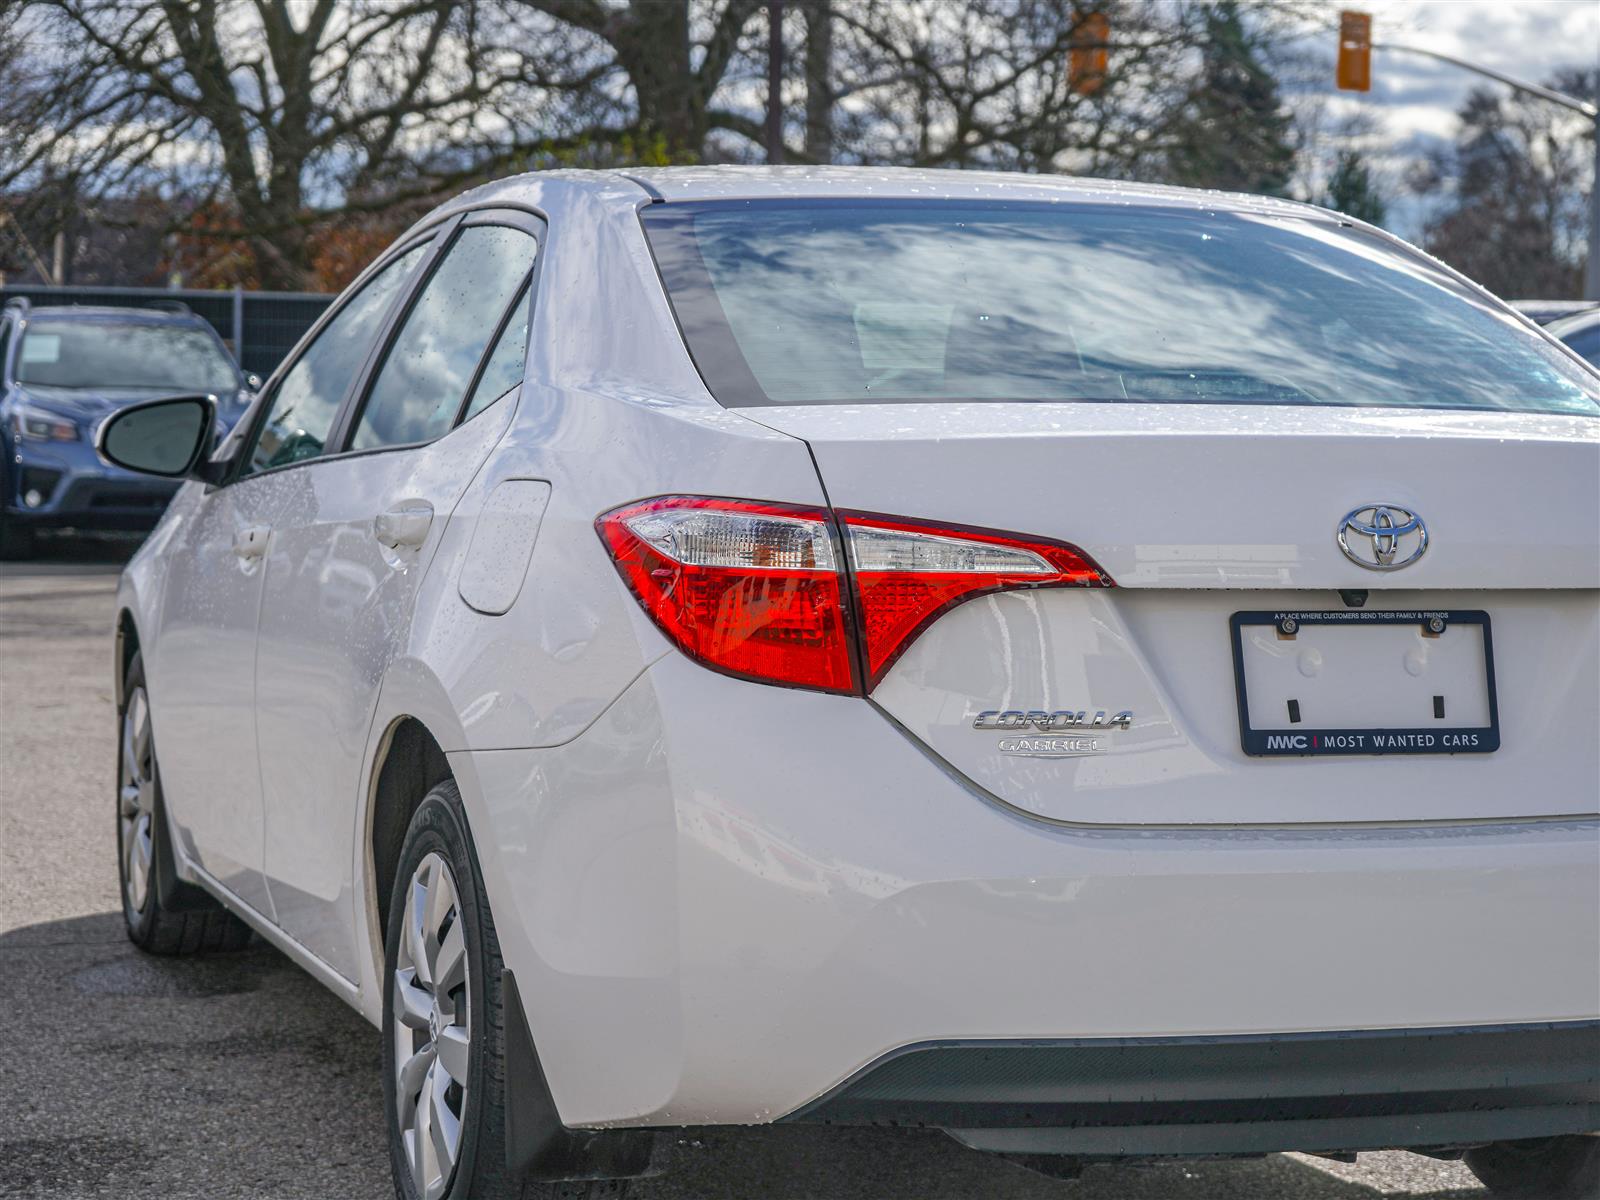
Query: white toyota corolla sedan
1104, 671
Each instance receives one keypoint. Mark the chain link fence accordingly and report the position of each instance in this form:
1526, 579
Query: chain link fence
259, 327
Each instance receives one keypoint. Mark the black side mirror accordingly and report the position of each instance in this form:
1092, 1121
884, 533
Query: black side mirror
167, 437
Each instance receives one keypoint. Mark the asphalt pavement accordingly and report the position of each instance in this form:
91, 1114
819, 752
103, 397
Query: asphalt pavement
237, 1075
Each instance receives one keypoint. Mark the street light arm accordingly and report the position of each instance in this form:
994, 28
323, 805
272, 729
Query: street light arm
1533, 89
1591, 269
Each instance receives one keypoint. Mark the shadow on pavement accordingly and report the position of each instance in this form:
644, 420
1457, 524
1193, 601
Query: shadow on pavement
238, 1075
795, 1162
227, 1075
71, 555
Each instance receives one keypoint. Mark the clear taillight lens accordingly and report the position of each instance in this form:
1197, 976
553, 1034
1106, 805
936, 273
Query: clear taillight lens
747, 588
755, 589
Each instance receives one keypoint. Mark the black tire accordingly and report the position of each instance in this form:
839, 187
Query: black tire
17, 541
479, 1173
166, 916
1556, 1168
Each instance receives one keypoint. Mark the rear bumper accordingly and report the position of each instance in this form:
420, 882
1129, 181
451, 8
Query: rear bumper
727, 899
1362, 1090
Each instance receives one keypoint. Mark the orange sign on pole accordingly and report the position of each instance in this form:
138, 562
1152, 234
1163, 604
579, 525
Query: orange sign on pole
1087, 54
1355, 52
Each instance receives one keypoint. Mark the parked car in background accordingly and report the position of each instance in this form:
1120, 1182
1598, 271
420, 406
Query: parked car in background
994, 653
1545, 311
1581, 333
62, 371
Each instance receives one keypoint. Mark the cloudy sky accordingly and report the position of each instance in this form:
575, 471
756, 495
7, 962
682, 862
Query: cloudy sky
1525, 38
1414, 99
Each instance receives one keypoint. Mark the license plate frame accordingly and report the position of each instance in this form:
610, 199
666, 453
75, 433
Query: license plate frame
1365, 742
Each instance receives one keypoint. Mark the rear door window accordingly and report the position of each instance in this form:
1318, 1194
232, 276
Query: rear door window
307, 399
420, 390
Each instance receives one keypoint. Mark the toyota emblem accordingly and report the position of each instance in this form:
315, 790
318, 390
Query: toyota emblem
1382, 537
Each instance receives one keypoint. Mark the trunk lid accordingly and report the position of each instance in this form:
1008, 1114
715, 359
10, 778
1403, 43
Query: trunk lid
1199, 512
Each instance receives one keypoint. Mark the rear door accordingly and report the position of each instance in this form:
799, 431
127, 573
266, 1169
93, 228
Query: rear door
349, 550
202, 662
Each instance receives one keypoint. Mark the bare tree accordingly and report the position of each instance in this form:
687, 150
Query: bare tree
267, 106
261, 125
1516, 214
989, 82
819, 80
1235, 131
650, 70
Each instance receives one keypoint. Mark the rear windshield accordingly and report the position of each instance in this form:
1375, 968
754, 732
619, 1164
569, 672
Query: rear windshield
845, 302
123, 354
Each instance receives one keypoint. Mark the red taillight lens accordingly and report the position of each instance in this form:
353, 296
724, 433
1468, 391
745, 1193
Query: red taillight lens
754, 589
749, 589
907, 573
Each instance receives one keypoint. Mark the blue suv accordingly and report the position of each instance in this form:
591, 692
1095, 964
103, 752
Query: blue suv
62, 372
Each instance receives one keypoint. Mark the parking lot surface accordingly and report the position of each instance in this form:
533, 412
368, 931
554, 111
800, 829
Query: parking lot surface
237, 1075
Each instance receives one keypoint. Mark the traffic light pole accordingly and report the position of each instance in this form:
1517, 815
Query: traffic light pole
1591, 274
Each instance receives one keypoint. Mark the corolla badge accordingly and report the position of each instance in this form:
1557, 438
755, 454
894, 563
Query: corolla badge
1083, 726
1065, 718
1382, 537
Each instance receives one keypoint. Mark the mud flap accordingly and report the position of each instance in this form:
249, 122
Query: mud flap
538, 1145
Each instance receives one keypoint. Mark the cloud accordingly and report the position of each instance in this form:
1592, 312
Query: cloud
1414, 99
1528, 40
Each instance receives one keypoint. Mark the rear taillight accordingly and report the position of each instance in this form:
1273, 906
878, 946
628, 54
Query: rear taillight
907, 573
757, 589
750, 589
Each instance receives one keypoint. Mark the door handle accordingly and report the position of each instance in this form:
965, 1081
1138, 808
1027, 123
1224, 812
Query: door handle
404, 525
251, 541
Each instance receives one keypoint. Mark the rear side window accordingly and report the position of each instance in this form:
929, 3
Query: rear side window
503, 371
422, 385
308, 397
850, 302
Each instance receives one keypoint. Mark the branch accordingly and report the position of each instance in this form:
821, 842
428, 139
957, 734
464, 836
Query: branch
584, 14
723, 42
755, 131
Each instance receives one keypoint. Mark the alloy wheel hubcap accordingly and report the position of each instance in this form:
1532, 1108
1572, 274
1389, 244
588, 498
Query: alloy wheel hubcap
136, 800
432, 1028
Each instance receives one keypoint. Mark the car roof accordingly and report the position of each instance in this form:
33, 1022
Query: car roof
1546, 311
738, 182
1572, 322
557, 189
594, 198
108, 312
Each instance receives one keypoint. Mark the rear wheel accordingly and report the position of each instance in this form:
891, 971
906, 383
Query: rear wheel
443, 1025
1557, 1168
163, 914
